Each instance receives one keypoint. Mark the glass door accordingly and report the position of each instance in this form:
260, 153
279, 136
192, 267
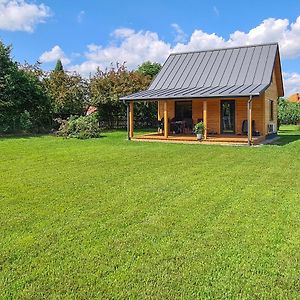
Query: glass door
228, 116
183, 110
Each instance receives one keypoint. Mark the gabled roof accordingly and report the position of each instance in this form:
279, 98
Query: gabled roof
229, 72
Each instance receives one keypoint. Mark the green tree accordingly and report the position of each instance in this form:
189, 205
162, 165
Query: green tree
68, 93
288, 112
22, 97
108, 86
59, 66
149, 68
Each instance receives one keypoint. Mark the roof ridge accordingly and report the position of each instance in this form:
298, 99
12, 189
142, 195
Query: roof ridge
225, 48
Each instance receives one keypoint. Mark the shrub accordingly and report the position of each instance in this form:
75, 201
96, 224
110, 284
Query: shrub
83, 127
288, 112
25, 121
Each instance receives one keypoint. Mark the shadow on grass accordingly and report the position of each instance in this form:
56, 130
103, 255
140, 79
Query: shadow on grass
29, 136
20, 136
286, 139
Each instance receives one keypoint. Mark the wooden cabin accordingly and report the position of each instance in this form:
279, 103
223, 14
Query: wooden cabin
229, 89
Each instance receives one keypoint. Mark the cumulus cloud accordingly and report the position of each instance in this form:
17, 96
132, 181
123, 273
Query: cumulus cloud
129, 46
53, 55
291, 83
86, 68
20, 15
135, 47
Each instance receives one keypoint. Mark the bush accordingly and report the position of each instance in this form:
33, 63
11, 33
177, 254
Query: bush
83, 127
25, 121
288, 112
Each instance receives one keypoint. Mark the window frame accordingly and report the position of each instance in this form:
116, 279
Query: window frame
271, 110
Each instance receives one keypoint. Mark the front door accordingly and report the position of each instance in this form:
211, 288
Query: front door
228, 116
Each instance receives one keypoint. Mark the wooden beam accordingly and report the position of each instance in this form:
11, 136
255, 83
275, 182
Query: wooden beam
131, 124
205, 118
166, 121
249, 109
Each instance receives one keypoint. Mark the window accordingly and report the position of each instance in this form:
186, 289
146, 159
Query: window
271, 102
183, 110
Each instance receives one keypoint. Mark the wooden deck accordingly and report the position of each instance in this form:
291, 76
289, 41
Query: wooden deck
191, 139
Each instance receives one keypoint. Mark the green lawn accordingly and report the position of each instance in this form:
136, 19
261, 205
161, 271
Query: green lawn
112, 219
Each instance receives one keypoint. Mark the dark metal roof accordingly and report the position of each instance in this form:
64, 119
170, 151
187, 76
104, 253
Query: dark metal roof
230, 72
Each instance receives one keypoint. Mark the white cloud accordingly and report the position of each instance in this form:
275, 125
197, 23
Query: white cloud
20, 15
291, 83
201, 40
129, 46
53, 55
135, 47
87, 68
80, 16
180, 35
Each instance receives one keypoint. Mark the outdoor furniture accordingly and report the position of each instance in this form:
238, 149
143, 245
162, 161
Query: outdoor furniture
177, 127
188, 125
160, 124
245, 128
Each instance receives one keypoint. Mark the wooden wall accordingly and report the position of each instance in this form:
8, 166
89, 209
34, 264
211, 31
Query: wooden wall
197, 110
213, 116
271, 94
171, 109
214, 113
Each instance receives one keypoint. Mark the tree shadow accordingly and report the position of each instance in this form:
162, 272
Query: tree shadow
19, 136
29, 136
286, 139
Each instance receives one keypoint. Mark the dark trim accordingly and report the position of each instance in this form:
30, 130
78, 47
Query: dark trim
191, 98
271, 112
249, 106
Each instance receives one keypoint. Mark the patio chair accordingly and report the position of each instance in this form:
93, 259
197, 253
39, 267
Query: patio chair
160, 124
188, 125
245, 128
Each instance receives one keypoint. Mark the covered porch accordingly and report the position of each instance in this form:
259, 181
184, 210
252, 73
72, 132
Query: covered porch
225, 121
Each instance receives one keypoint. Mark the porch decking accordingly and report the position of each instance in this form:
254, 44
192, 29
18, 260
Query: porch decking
190, 138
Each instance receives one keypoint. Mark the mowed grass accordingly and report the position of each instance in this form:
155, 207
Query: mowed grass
112, 219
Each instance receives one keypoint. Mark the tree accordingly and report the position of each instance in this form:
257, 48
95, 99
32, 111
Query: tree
108, 86
288, 112
23, 101
59, 66
149, 69
68, 93
148, 111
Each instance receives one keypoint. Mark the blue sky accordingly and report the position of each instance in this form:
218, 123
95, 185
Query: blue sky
87, 34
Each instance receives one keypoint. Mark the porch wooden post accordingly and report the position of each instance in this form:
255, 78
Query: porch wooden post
166, 122
249, 108
205, 118
130, 119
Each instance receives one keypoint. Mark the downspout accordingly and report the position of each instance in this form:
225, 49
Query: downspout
250, 121
127, 116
